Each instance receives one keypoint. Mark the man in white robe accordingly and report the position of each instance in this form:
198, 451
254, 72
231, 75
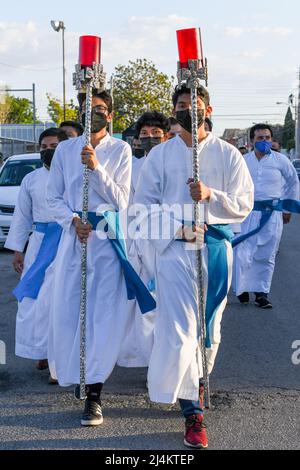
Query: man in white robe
274, 179
152, 129
31, 213
109, 162
227, 194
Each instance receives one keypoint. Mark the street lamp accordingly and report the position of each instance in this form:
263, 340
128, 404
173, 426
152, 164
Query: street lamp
57, 26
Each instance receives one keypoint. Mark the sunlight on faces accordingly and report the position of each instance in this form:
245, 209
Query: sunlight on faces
261, 135
151, 131
49, 142
98, 106
184, 102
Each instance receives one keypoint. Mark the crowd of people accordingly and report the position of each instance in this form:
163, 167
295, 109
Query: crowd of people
150, 318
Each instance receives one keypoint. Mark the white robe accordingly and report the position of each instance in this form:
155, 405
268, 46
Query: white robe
109, 184
274, 177
33, 315
175, 364
138, 340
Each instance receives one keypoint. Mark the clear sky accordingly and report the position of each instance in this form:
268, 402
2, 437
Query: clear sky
252, 47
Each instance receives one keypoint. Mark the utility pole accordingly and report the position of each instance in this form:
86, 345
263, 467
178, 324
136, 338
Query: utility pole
111, 124
298, 122
34, 115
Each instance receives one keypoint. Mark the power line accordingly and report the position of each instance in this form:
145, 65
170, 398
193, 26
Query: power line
25, 68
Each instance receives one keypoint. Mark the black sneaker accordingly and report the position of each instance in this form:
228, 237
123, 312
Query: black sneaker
92, 414
244, 298
262, 301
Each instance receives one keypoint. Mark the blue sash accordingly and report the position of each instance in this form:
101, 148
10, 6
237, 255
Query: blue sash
267, 208
217, 288
31, 282
136, 289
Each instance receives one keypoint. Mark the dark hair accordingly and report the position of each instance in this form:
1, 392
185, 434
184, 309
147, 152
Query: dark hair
152, 118
103, 95
209, 123
259, 127
76, 125
172, 121
53, 132
201, 91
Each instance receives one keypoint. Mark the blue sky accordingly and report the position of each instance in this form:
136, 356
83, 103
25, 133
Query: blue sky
252, 47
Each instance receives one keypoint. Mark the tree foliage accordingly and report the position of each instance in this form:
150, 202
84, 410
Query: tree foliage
15, 110
288, 140
56, 110
140, 87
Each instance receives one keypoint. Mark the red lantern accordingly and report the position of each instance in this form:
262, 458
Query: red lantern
89, 50
189, 46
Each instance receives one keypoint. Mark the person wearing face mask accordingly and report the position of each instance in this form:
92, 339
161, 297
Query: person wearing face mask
151, 130
166, 188
137, 151
31, 220
109, 162
73, 129
175, 128
274, 179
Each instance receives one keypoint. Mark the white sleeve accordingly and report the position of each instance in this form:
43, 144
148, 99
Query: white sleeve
235, 204
291, 181
154, 215
22, 221
61, 212
115, 190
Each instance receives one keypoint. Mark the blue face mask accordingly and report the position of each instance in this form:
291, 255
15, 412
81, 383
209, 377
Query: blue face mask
263, 147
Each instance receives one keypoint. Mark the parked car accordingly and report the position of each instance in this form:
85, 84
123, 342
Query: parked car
296, 164
12, 173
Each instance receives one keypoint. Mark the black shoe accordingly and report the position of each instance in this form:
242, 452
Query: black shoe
262, 301
244, 298
92, 414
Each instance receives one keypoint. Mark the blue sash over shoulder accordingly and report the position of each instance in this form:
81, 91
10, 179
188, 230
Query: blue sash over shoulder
32, 281
267, 208
136, 289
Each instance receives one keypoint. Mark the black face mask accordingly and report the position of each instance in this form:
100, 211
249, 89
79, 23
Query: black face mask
46, 157
138, 153
184, 118
99, 121
147, 143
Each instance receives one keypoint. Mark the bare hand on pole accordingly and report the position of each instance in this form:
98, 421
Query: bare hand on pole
199, 191
89, 158
82, 230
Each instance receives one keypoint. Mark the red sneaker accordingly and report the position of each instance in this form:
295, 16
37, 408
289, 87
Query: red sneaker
195, 432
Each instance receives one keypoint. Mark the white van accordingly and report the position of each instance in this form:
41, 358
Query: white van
12, 173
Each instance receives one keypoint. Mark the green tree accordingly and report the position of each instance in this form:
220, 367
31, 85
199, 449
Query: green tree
14, 110
139, 87
288, 139
56, 110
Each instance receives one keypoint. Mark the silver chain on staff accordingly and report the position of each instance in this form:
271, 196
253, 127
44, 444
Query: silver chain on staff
192, 77
85, 209
199, 267
85, 81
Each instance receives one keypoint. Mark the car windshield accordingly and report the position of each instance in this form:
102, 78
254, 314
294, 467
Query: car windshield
14, 171
297, 165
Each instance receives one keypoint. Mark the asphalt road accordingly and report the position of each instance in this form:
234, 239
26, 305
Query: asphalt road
255, 385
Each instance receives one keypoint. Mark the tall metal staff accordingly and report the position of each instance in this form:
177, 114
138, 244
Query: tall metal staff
89, 75
192, 68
